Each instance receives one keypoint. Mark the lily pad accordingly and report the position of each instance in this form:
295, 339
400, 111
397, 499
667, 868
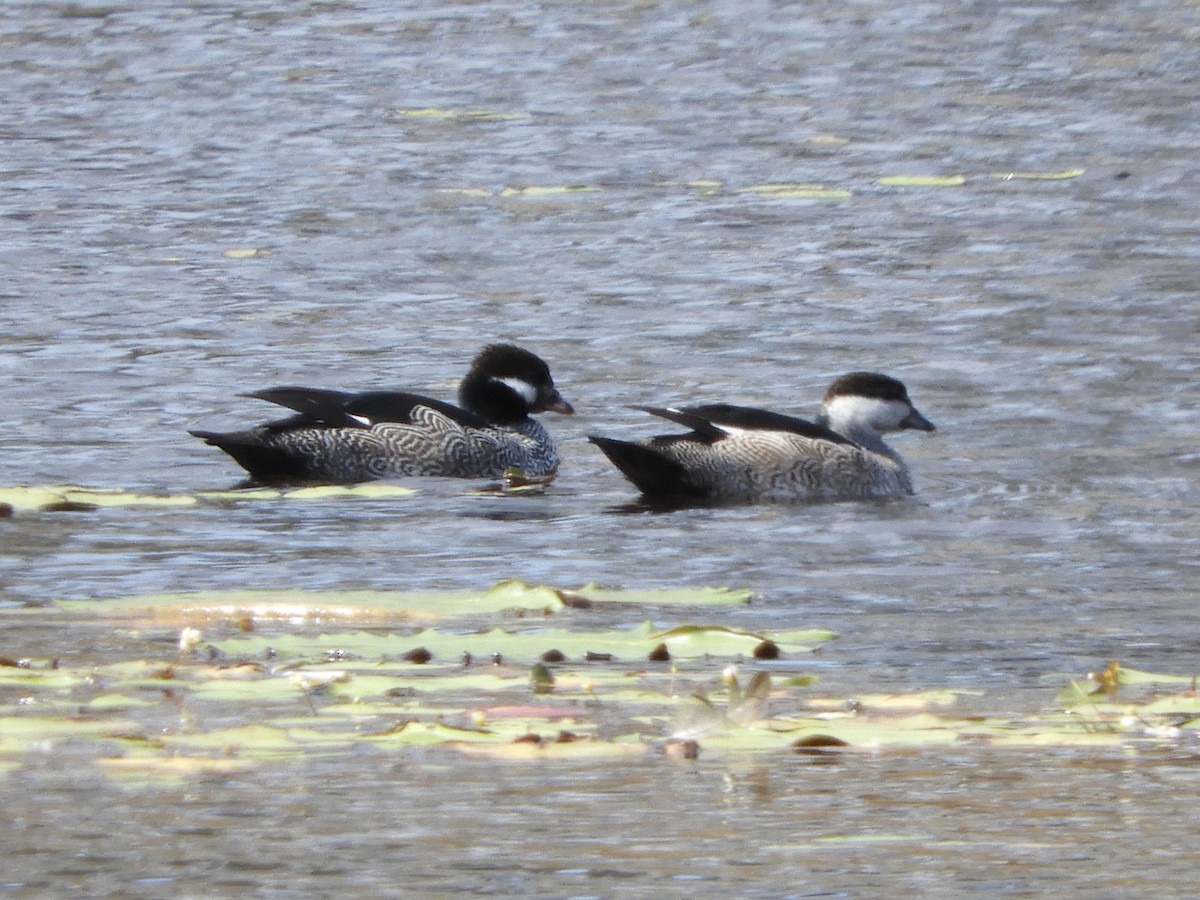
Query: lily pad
471, 115
923, 180
798, 191
71, 498
527, 646
1038, 176
246, 608
548, 190
74, 499
212, 705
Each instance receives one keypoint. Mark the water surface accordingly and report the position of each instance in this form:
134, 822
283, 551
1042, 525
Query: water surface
1046, 326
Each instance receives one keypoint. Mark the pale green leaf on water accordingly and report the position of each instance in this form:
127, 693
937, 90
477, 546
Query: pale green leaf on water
69, 497
512, 597
1130, 677
241, 494
466, 192
1112, 684
828, 140
549, 748
298, 606
717, 640
265, 698
109, 702
894, 702
1038, 176
247, 253
664, 596
525, 646
374, 490
923, 180
1176, 704
413, 733
370, 491
797, 191
548, 190
472, 115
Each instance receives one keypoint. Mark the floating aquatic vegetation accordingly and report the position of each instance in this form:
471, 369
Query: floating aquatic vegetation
516, 672
460, 115
797, 191
922, 180
67, 498
247, 610
1039, 176
548, 190
71, 498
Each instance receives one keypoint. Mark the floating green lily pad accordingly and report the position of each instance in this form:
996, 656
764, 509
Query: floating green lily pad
798, 191
1038, 176
246, 607
522, 690
552, 190
470, 115
575, 645
923, 180
70, 498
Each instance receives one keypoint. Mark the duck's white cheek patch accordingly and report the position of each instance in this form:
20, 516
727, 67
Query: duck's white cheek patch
363, 420
521, 387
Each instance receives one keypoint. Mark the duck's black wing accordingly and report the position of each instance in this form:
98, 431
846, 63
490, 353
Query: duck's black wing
715, 421
339, 409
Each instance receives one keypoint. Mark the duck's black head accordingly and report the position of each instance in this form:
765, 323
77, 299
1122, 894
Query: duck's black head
507, 383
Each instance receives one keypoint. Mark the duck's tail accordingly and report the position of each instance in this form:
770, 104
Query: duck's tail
265, 461
653, 473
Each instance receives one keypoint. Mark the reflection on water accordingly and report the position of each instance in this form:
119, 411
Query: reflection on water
1046, 325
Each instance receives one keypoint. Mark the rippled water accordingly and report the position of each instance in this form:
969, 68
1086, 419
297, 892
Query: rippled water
1048, 327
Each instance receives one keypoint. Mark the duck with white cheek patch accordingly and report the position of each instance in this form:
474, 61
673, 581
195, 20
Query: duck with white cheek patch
742, 454
345, 438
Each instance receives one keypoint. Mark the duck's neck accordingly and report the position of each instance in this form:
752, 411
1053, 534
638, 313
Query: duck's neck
492, 399
866, 437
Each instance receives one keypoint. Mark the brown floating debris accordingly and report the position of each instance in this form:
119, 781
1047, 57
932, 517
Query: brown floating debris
682, 749
418, 655
573, 600
554, 656
660, 654
767, 650
818, 743
69, 506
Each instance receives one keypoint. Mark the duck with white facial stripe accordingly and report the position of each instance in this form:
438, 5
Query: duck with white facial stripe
742, 454
347, 438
